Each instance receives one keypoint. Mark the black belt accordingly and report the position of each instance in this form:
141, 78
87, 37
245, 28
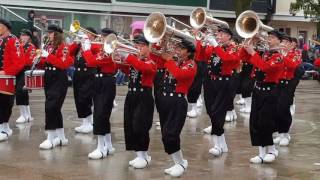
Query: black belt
173, 94
100, 75
51, 68
141, 89
221, 78
161, 70
84, 69
265, 87
284, 81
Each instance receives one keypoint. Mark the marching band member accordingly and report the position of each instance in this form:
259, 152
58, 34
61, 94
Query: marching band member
103, 96
139, 103
83, 80
287, 87
194, 94
11, 63
218, 91
173, 106
22, 96
267, 68
56, 58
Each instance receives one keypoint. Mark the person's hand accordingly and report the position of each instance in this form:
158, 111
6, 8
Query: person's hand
211, 40
2, 73
86, 44
166, 56
44, 53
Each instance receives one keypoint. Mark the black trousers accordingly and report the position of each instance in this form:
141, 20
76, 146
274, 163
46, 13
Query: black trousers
55, 89
263, 115
218, 96
246, 85
196, 87
83, 92
292, 88
104, 94
138, 116
6, 104
158, 86
235, 87
284, 118
22, 96
173, 113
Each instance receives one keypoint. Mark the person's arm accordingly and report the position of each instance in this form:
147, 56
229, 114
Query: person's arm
181, 73
14, 62
140, 65
62, 58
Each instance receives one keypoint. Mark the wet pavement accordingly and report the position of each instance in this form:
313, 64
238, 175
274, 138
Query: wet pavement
20, 157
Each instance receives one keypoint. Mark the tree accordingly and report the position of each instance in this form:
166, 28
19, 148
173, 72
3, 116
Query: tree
241, 5
311, 8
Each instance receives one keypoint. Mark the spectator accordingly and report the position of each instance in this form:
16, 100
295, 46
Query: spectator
120, 78
31, 15
35, 37
43, 23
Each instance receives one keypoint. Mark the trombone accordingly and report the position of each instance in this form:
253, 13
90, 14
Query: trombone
76, 28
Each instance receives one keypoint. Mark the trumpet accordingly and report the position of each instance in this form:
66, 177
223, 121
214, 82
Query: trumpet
156, 29
199, 19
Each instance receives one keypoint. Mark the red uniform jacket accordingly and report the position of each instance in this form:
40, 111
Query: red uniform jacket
13, 56
223, 61
200, 54
59, 58
157, 58
29, 54
184, 74
291, 61
95, 48
100, 60
317, 62
147, 68
270, 64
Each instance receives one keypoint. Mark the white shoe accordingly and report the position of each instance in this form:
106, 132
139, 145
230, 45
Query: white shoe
199, 102
158, 123
133, 161
234, 115
270, 157
193, 112
256, 160
84, 129
216, 151
5, 134
229, 116
141, 163
277, 139
60, 142
240, 101
115, 103
207, 130
46, 145
285, 140
177, 170
21, 120
97, 154
109, 151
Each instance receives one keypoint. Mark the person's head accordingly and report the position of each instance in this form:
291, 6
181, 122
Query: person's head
55, 35
185, 50
43, 19
91, 35
31, 14
25, 36
106, 31
141, 43
5, 27
224, 35
286, 40
274, 38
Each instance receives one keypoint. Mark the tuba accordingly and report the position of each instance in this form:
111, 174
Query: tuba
248, 24
156, 29
200, 19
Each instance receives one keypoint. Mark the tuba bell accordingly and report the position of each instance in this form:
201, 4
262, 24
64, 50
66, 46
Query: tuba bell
156, 29
248, 24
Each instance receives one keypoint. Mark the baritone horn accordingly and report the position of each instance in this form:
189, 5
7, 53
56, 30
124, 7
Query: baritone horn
112, 44
156, 29
248, 24
200, 19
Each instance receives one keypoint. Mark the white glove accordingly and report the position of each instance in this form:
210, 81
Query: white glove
123, 55
86, 45
44, 53
212, 41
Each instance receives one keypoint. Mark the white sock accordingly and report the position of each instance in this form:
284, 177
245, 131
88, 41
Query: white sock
100, 142
28, 111
107, 141
21, 109
178, 157
262, 151
1, 127
247, 102
215, 141
6, 127
90, 119
272, 149
51, 135
142, 154
60, 133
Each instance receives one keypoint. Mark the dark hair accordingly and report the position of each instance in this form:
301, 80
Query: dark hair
57, 39
191, 56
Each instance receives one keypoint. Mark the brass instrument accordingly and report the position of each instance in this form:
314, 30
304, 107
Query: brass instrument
200, 19
75, 27
156, 30
248, 24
